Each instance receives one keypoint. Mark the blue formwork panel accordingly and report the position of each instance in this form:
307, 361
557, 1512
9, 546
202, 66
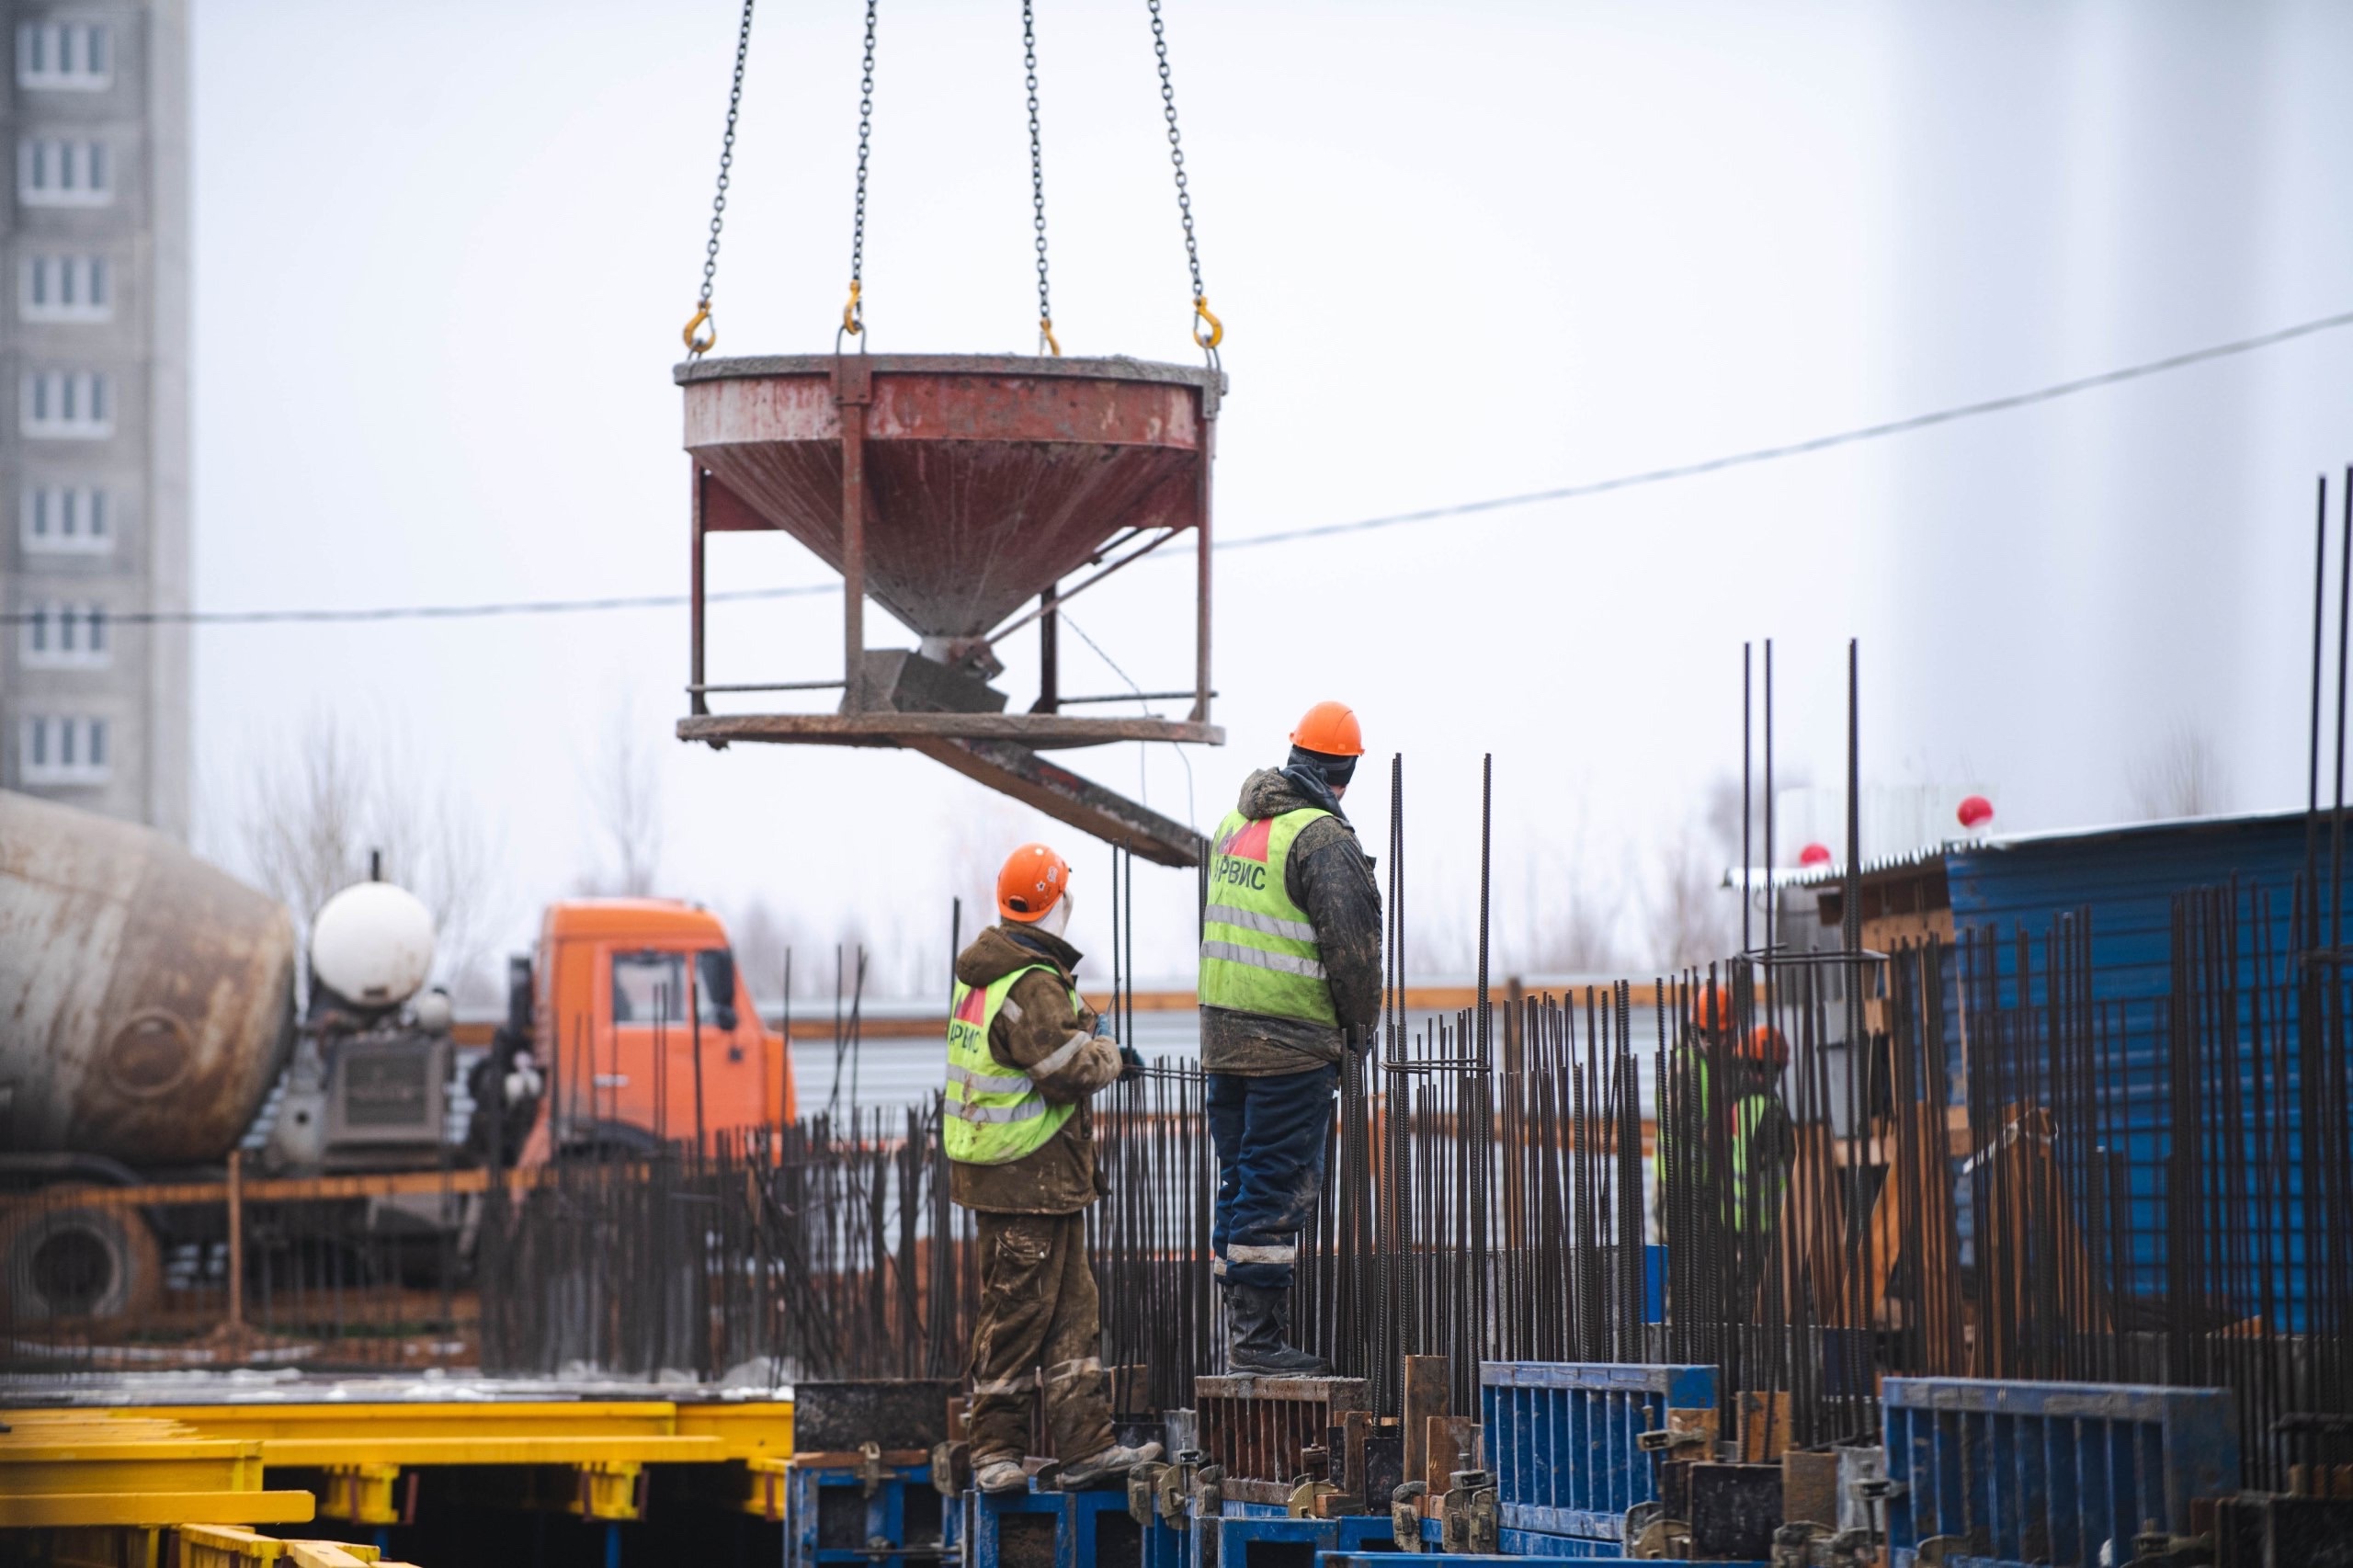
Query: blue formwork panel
832, 1520
1563, 1439
1042, 1528
1281, 1541
2058, 1473
1166, 1545
1469, 1559
1536, 1544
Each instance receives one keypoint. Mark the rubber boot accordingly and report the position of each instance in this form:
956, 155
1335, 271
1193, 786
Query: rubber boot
1112, 1463
1259, 1323
1000, 1474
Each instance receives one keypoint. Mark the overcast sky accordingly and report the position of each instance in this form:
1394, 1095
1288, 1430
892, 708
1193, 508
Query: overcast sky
444, 250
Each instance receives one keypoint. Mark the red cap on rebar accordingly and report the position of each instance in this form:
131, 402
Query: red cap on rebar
1814, 855
1032, 882
1976, 812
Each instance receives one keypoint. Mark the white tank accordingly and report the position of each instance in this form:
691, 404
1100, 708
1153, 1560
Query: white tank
372, 944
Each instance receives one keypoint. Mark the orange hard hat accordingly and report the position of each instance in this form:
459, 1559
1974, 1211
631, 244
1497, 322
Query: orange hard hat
1766, 1046
1032, 882
1709, 1010
1329, 728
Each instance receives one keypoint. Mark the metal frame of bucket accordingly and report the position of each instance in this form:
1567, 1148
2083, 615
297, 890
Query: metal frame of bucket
1013, 472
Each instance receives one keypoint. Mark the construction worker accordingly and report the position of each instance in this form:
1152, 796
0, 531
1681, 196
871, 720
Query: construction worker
1760, 1141
1023, 1053
1291, 972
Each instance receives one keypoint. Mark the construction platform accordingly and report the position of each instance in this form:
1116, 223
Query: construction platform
148, 1455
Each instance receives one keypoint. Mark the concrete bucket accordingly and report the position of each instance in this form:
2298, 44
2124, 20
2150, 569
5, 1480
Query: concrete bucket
955, 490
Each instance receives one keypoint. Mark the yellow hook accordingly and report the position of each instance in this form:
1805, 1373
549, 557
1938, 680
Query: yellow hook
700, 346
851, 320
1217, 328
1046, 327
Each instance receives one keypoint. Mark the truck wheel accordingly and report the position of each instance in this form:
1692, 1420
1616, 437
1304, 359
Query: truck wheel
66, 1259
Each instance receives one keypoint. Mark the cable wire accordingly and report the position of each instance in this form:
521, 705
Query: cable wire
1249, 541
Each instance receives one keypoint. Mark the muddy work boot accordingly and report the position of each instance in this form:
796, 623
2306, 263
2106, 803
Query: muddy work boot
1259, 1324
1113, 1463
999, 1475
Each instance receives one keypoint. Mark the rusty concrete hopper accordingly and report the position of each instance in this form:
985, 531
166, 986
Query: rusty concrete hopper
957, 490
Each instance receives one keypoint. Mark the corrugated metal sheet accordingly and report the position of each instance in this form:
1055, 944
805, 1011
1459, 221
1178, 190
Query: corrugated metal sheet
2125, 881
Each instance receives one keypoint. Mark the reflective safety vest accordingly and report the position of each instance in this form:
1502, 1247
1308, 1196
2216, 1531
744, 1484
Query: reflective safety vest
994, 1116
1743, 1210
1258, 948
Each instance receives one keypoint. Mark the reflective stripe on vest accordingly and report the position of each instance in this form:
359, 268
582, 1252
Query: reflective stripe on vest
992, 1116
1259, 952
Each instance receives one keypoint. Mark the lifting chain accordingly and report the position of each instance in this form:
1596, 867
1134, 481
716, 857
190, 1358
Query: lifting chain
1207, 331
854, 312
1037, 181
698, 346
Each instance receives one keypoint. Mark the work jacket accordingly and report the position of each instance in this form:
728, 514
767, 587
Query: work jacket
1760, 1145
1043, 1033
1326, 880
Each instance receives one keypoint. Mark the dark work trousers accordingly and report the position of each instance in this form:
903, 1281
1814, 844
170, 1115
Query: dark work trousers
1269, 1134
1040, 1324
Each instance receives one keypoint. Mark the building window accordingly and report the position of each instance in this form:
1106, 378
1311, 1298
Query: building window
69, 750
65, 637
65, 288
52, 172
69, 404
75, 56
66, 519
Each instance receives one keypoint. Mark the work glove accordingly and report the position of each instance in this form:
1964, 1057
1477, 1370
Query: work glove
1131, 1062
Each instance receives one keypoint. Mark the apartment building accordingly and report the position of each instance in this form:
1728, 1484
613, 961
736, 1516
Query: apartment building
94, 416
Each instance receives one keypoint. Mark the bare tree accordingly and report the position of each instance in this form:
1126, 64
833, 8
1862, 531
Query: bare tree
2181, 776
624, 788
317, 810
1691, 919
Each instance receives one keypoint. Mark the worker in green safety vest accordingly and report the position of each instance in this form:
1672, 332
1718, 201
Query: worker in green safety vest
1024, 1053
1759, 1141
1290, 978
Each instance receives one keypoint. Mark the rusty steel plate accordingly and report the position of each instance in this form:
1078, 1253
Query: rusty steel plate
987, 477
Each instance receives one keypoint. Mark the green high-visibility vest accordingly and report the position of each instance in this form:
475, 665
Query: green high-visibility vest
1259, 950
993, 1116
1748, 1114
1755, 1195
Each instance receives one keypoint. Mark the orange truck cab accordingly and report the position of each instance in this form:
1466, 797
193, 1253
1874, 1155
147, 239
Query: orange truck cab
645, 1029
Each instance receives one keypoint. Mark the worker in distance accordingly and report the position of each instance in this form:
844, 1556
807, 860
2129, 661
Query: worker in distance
1290, 983
1024, 1054
1715, 1060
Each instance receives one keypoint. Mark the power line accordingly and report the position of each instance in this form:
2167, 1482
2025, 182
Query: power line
1819, 443
1250, 541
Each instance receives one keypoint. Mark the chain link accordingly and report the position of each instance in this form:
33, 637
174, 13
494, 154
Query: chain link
1216, 333
1036, 178
854, 312
701, 346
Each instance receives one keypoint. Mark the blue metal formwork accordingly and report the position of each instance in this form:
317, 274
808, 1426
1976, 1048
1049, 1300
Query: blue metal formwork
1563, 1439
832, 1518
2049, 1472
1285, 1543
1041, 1528
1536, 1544
1467, 1560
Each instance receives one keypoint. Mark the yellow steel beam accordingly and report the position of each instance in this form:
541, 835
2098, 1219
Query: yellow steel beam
50, 1510
748, 1428
741, 1429
401, 1419
330, 1453
54, 1461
